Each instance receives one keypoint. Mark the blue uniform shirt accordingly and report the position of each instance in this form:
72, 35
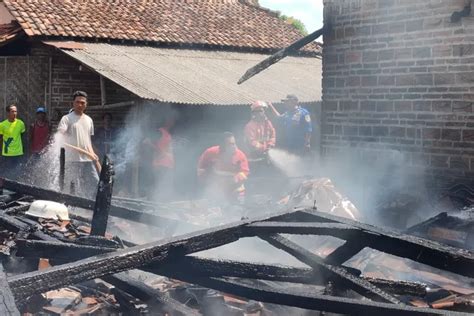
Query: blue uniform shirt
297, 123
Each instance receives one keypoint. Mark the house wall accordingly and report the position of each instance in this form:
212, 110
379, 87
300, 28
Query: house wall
398, 85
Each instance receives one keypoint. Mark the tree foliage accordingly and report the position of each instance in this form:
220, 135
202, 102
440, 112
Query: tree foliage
295, 22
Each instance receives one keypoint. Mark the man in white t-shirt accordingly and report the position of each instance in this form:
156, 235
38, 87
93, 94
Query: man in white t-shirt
78, 128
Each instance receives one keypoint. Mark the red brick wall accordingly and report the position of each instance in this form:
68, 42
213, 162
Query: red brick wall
398, 77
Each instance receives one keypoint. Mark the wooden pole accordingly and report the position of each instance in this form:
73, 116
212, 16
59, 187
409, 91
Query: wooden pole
281, 54
62, 169
103, 199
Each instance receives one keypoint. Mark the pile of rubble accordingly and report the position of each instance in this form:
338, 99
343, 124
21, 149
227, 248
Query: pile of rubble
68, 264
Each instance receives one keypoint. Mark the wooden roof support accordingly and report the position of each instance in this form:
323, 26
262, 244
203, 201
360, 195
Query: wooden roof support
282, 54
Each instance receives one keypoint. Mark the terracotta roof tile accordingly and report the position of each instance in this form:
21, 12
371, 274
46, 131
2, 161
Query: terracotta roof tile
208, 22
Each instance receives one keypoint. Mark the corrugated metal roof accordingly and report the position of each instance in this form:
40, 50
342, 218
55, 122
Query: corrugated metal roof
199, 77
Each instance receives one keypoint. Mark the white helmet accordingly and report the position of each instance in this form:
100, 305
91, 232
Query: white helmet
48, 209
258, 105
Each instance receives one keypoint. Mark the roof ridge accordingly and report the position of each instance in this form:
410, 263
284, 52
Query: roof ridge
241, 23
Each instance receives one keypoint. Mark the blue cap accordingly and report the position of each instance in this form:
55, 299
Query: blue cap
41, 110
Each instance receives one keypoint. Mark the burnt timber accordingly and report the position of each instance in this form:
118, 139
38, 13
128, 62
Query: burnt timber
171, 258
88, 204
159, 257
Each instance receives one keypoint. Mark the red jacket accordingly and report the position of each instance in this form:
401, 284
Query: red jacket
259, 137
228, 174
164, 157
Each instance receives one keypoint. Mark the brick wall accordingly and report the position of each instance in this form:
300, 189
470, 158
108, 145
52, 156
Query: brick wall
398, 79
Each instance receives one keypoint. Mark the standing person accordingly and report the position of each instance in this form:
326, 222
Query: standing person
159, 180
105, 136
11, 133
297, 126
223, 170
259, 136
78, 128
40, 132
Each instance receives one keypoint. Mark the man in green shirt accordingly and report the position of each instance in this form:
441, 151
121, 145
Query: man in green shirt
11, 132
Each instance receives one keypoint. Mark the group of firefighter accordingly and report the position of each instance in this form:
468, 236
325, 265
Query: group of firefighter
222, 169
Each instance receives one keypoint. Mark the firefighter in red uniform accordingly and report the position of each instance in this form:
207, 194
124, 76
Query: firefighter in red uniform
159, 179
223, 170
259, 137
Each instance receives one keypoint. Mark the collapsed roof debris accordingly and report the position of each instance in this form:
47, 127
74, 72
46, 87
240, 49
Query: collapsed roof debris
87, 272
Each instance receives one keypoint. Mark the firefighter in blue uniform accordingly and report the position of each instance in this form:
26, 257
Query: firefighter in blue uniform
297, 126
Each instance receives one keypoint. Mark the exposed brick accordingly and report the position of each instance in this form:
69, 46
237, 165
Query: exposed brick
431, 133
330, 105
468, 135
421, 52
405, 80
440, 161
465, 77
425, 79
442, 106
444, 79
385, 106
387, 80
462, 106
368, 81
451, 134
352, 57
459, 162
403, 106
397, 131
350, 130
369, 56
380, 131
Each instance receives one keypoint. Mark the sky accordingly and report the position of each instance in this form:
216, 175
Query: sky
310, 12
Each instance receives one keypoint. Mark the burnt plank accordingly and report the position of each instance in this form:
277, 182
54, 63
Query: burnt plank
103, 199
115, 210
152, 297
31, 283
57, 250
338, 274
425, 251
62, 169
303, 299
300, 228
13, 224
7, 300
217, 268
343, 253
204, 267
282, 54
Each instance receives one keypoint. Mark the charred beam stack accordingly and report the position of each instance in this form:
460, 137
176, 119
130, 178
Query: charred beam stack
77, 261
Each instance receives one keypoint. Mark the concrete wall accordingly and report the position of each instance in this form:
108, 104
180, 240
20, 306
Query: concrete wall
398, 81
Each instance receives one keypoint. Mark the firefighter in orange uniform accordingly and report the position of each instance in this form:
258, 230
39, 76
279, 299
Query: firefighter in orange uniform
223, 170
259, 136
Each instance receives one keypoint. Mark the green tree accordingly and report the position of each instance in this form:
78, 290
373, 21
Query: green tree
295, 22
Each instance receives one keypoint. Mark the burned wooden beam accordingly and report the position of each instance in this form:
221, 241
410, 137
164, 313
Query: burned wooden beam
7, 300
343, 253
62, 169
201, 267
152, 297
13, 224
117, 211
421, 250
264, 64
339, 274
103, 199
57, 250
303, 299
329, 229
31, 283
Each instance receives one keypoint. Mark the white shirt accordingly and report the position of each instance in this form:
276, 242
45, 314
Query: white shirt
78, 131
